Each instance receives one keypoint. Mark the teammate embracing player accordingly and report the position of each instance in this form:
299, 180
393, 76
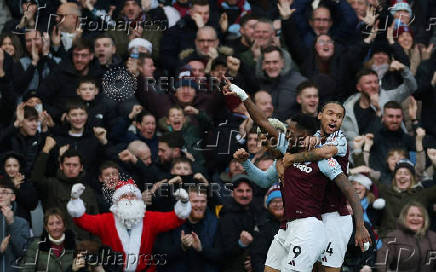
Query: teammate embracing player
308, 195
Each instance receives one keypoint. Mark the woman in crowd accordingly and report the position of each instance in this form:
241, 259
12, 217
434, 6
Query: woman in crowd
12, 165
371, 206
11, 45
409, 246
54, 251
403, 190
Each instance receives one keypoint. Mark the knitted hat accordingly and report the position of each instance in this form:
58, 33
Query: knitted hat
362, 179
405, 163
186, 82
273, 193
142, 43
126, 187
398, 5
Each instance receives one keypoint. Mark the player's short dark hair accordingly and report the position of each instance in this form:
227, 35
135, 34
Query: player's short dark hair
306, 122
333, 102
30, 113
393, 105
70, 153
305, 85
107, 164
364, 72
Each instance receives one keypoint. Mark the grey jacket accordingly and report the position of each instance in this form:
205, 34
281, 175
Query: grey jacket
283, 88
350, 126
20, 234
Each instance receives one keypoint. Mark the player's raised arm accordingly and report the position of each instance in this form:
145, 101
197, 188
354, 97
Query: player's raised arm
253, 110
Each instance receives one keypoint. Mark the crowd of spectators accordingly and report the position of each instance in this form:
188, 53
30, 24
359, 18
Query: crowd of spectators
62, 121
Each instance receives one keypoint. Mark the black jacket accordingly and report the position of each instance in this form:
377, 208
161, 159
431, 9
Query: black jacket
12, 140
234, 219
262, 242
177, 38
384, 140
427, 93
60, 86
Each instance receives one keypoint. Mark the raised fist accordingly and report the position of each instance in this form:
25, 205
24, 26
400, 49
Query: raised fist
77, 190
182, 195
241, 155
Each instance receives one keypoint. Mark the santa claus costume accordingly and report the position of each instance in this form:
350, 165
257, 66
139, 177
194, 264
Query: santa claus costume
122, 232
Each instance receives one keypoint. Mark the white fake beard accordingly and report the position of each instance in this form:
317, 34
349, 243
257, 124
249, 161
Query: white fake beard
129, 212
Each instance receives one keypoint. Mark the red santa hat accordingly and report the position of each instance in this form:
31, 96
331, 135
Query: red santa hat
126, 187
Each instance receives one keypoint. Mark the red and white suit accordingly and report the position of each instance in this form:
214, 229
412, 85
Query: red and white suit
141, 239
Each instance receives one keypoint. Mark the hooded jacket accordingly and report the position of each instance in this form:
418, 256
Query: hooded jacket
234, 219
55, 192
404, 251
283, 88
396, 200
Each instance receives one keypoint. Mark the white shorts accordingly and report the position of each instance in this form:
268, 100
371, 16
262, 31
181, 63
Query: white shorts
298, 247
338, 230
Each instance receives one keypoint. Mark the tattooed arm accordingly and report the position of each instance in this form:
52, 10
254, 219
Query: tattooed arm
325, 152
259, 118
362, 234
332, 170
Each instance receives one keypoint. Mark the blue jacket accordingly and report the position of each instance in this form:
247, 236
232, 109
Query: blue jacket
20, 233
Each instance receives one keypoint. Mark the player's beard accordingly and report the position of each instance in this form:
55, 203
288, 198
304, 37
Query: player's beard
129, 212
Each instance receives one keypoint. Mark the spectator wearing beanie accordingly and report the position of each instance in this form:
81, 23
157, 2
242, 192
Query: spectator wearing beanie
404, 189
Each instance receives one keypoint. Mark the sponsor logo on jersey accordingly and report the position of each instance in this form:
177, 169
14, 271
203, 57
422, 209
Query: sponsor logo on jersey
303, 168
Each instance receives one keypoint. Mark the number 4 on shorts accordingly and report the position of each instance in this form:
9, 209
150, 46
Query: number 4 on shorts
329, 249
